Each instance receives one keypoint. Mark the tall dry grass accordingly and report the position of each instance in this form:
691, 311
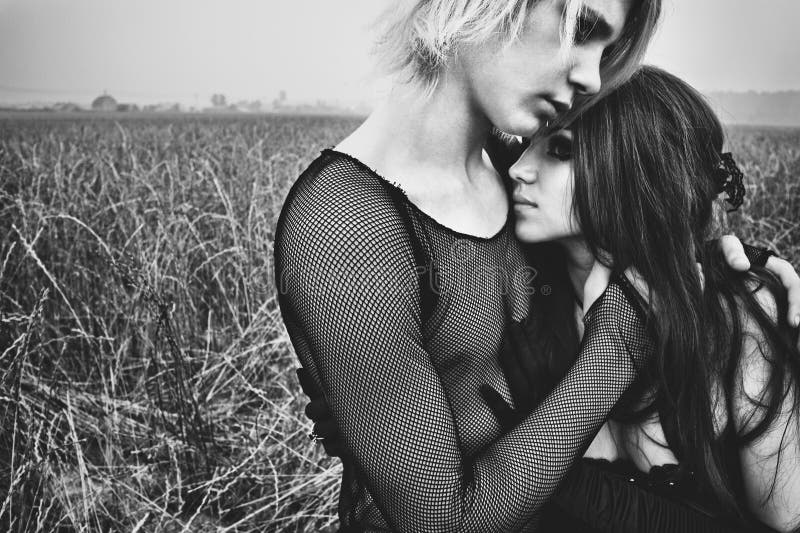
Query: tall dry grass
148, 383
770, 160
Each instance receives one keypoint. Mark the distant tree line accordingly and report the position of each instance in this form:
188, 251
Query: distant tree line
773, 109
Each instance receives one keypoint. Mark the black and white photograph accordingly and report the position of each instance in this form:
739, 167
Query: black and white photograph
399, 266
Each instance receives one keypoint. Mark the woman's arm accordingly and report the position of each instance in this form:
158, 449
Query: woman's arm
771, 463
349, 296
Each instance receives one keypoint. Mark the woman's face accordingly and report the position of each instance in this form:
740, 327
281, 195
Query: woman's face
543, 189
521, 86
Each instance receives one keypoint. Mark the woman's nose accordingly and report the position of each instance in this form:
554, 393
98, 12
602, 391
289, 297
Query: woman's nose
522, 172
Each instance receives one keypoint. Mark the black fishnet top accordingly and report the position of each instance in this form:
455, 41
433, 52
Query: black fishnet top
400, 320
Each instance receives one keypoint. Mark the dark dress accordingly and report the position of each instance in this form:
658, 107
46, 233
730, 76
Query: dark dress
599, 496
399, 320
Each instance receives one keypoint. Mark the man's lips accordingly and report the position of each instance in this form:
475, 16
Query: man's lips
560, 106
554, 108
548, 110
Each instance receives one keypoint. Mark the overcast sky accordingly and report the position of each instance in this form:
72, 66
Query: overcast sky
185, 50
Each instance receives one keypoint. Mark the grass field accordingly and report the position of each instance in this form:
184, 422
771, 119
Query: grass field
148, 384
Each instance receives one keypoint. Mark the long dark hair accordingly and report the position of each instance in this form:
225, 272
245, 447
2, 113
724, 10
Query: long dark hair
645, 159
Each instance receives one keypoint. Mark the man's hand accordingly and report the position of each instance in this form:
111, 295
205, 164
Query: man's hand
733, 250
791, 281
734, 253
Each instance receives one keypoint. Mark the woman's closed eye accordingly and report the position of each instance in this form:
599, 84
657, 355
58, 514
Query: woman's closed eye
560, 147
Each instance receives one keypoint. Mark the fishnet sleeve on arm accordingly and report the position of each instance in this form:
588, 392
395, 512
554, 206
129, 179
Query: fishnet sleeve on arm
538, 452
348, 293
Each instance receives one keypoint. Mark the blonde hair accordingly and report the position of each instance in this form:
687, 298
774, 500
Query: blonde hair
418, 37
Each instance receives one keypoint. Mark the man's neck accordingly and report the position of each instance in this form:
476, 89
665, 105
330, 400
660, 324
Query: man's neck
441, 133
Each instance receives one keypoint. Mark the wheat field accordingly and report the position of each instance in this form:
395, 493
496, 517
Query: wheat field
148, 383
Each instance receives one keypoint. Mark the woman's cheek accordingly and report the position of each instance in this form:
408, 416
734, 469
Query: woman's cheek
569, 202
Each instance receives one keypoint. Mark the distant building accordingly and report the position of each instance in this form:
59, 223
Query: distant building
280, 101
252, 106
127, 107
66, 107
164, 107
218, 100
104, 103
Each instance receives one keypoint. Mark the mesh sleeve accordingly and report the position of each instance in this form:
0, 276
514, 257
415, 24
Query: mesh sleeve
757, 256
348, 294
536, 455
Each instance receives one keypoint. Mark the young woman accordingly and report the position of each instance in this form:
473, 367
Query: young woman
396, 294
710, 437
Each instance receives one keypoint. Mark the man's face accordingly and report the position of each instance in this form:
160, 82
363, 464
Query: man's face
521, 86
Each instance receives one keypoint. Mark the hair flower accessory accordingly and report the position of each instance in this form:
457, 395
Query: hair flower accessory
729, 179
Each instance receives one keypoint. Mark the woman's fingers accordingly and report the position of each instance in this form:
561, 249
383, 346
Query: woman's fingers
788, 276
734, 254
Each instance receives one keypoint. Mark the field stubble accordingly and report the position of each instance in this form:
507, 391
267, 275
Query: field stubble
148, 382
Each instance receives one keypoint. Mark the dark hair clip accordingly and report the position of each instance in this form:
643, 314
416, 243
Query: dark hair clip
729, 179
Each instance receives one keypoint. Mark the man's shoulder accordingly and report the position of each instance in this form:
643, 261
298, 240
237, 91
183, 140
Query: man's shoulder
336, 177
338, 198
